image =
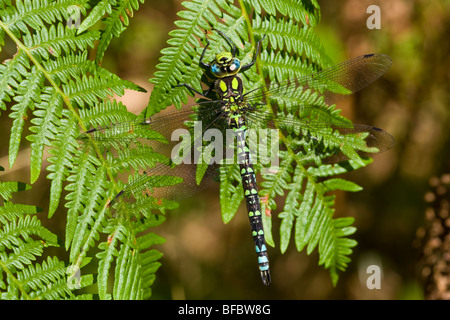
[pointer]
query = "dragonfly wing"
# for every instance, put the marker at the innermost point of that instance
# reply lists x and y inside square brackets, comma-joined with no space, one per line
[299,107]
[333,83]
[376,137]
[158,127]
[159,188]
[327,138]
[176,175]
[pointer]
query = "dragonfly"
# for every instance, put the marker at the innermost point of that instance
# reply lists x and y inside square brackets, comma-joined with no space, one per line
[226,106]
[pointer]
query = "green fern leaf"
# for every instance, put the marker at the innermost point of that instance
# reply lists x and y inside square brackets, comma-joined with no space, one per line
[87,227]
[51,81]
[78,192]
[64,147]
[35,14]
[51,76]
[95,15]
[106,257]
[12,72]
[7,188]
[22,241]
[46,121]
[28,96]
[57,40]
[335,248]
[115,22]
[231,191]
[305,12]
[133,280]
[297,39]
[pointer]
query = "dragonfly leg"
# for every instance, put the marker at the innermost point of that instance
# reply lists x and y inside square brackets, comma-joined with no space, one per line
[231,43]
[203,94]
[258,45]
[203,64]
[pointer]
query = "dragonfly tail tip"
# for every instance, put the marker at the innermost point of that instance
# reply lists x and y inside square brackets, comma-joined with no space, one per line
[265,276]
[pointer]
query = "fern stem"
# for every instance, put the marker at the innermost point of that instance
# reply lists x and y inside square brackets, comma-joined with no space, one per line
[247,19]
[258,62]
[251,34]
[270,109]
[22,47]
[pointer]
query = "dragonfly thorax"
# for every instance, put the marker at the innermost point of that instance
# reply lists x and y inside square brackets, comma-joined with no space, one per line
[229,89]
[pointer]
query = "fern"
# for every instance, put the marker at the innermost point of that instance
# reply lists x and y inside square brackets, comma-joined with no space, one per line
[22,242]
[115,22]
[51,83]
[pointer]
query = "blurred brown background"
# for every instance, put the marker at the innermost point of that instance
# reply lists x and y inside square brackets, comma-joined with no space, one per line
[205,259]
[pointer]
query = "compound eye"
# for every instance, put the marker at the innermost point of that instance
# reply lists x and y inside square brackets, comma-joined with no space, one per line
[234,66]
[218,71]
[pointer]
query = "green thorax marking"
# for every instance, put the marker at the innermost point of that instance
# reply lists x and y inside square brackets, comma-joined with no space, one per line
[229,87]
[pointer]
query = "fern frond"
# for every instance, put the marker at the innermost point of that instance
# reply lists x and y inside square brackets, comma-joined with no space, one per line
[296,39]
[104,113]
[307,12]
[78,195]
[88,225]
[46,121]
[48,82]
[35,14]
[46,281]
[12,72]
[133,280]
[56,41]
[231,190]
[23,75]
[87,90]
[51,83]
[28,96]
[115,22]
[22,241]
[335,248]
[61,158]
[8,188]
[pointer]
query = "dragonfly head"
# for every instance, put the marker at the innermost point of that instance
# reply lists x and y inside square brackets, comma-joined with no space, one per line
[225,64]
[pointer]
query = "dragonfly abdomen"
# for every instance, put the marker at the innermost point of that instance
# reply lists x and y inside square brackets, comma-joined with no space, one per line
[254,216]
[251,198]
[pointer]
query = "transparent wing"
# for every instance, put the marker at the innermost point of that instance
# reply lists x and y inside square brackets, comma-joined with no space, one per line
[176,175]
[159,188]
[333,83]
[376,139]
[299,106]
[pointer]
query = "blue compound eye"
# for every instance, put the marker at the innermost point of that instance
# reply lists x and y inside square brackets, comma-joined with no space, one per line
[218,71]
[221,70]
[234,66]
